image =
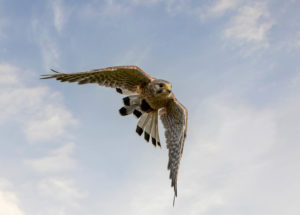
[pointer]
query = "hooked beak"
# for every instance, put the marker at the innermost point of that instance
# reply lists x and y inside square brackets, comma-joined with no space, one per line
[168,88]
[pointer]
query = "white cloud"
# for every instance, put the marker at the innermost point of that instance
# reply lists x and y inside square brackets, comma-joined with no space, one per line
[49,49]
[60,14]
[48,123]
[9,203]
[130,56]
[221,6]
[8,74]
[236,156]
[175,6]
[58,160]
[61,190]
[251,24]
[37,110]
[171,6]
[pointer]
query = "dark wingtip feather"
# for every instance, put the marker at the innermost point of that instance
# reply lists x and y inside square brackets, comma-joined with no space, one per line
[123,111]
[54,71]
[145,106]
[158,143]
[174,200]
[153,141]
[137,113]
[139,130]
[119,90]
[49,75]
[45,77]
[126,101]
[146,136]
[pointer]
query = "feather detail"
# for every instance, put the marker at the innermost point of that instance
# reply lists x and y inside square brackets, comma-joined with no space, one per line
[143,120]
[126,110]
[153,128]
[131,100]
[148,127]
[156,130]
[148,124]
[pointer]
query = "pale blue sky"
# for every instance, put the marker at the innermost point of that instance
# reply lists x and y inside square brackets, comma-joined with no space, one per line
[233,63]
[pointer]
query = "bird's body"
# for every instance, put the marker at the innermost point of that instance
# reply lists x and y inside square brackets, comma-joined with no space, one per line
[146,98]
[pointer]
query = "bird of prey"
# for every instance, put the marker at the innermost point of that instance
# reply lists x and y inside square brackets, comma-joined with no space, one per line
[146,98]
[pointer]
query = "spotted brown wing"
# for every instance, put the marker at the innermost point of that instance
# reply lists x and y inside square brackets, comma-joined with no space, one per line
[174,119]
[121,77]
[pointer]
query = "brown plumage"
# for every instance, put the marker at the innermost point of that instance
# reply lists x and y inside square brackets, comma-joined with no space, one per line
[146,97]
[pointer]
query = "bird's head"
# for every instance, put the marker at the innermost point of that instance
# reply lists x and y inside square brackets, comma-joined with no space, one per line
[161,87]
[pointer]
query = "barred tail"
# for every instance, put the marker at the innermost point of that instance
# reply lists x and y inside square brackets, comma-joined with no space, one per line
[132,105]
[148,124]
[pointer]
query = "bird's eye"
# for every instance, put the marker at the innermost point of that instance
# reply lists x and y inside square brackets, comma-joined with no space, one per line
[161,85]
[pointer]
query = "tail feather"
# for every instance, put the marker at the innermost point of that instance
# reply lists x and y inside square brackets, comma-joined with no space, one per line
[153,129]
[143,120]
[126,110]
[131,100]
[131,105]
[148,124]
[156,130]
[148,121]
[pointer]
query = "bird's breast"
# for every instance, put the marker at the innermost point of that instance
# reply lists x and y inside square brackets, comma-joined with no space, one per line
[154,103]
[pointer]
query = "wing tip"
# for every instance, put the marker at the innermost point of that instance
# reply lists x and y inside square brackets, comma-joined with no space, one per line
[139,130]
[47,76]
[137,113]
[119,90]
[126,101]
[54,71]
[146,136]
[175,193]
[123,111]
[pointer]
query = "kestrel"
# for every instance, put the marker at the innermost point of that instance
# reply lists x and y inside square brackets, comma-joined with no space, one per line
[146,97]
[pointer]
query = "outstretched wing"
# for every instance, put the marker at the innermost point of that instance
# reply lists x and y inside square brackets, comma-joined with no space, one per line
[123,77]
[174,119]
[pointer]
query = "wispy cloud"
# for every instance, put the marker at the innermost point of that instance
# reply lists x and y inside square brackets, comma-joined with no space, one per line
[171,6]
[105,9]
[50,122]
[60,14]
[37,110]
[9,202]
[176,6]
[221,6]
[230,156]
[131,56]
[251,24]
[59,160]
[50,51]
[61,190]
[8,74]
